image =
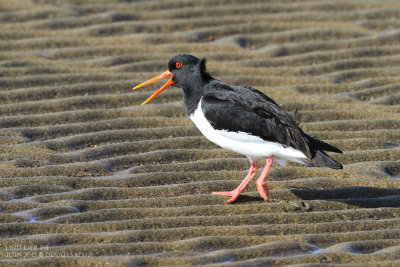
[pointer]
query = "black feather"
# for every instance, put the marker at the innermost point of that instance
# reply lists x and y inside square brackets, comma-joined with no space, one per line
[321,159]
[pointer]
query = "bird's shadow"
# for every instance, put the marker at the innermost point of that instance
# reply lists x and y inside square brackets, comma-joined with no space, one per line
[361,196]
[246,199]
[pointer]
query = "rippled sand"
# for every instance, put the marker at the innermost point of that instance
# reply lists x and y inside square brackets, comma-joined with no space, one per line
[89,177]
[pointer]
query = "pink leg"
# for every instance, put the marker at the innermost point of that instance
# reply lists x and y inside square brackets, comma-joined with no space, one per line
[262,187]
[234,194]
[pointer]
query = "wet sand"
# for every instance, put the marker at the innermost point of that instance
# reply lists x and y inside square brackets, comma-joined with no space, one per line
[89,177]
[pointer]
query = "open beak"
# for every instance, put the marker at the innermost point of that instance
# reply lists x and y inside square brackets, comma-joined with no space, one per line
[159,77]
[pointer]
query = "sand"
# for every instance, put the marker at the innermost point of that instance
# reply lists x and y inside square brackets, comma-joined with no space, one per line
[89,177]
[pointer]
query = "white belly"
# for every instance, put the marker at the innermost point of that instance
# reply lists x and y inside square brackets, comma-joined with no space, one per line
[244,143]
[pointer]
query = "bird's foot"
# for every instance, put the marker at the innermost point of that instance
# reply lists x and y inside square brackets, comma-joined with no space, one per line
[262,189]
[234,194]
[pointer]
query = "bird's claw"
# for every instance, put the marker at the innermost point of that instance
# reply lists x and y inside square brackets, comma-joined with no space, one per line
[233,194]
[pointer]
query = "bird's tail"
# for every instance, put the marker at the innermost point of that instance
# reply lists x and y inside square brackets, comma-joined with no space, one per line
[321,159]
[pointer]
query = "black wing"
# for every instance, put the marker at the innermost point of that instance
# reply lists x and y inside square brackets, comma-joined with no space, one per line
[245,109]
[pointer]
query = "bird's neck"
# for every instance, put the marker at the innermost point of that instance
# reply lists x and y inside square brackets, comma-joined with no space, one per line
[191,98]
[192,93]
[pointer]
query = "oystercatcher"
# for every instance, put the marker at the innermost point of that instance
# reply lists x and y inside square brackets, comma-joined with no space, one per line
[242,119]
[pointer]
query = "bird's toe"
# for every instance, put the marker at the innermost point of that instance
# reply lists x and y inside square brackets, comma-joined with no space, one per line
[263,190]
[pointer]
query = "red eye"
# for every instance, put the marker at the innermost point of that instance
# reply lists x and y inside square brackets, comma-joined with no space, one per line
[178,65]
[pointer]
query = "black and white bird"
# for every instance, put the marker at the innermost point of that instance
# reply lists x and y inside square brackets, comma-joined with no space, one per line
[242,119]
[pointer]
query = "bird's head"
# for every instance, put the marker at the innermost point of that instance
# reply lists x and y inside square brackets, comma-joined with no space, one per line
[184,69]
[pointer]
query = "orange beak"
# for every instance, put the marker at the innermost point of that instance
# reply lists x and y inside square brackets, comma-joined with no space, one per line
[159,77]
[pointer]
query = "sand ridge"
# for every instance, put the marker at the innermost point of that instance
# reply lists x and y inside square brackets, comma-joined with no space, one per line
[88,177]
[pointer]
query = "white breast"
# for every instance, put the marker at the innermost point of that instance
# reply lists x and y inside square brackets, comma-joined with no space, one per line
[244,143]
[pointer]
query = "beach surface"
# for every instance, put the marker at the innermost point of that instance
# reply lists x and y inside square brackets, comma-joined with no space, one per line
[88,177]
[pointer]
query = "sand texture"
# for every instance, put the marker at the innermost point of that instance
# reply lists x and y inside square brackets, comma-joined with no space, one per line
[88,177]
